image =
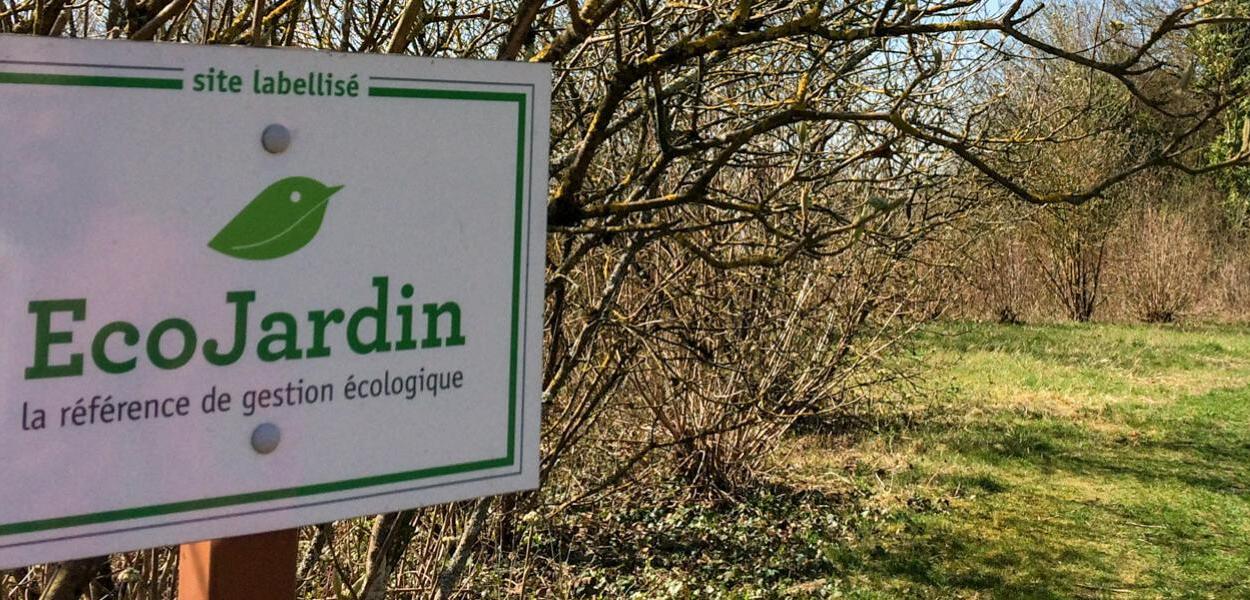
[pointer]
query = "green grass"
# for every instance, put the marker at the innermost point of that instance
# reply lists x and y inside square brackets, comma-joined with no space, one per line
[1064,462]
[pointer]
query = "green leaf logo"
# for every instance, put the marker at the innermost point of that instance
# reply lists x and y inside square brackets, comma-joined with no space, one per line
[282,219]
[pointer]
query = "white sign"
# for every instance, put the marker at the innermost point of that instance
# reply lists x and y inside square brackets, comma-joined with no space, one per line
[202,336]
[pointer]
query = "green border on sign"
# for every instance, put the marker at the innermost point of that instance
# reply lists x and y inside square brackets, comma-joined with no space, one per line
[336,486]
[156,83]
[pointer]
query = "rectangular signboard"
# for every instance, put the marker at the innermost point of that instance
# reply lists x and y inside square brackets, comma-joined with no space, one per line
[203,336]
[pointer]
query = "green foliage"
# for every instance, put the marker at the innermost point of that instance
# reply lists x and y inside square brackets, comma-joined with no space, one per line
[1223,52]
[675,546]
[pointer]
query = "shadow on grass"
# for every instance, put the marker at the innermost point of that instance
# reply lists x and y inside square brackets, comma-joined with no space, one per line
[1207,448]
[1086,512]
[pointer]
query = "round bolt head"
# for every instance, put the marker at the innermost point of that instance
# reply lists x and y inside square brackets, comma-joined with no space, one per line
[276,139]
[265,438]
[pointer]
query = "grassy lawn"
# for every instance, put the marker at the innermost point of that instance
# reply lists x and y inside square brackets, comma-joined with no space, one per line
[1059,461]
[1051,462]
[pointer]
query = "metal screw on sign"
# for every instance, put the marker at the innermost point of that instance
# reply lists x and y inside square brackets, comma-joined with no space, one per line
[276,139]
[265,438]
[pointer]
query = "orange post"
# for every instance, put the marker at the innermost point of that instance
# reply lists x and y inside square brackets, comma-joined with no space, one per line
[251,567]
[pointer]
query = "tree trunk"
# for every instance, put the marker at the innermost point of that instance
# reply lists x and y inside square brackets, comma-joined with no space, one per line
[71,578]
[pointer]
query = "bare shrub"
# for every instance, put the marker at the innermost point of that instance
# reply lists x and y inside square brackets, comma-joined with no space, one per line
[1072,254]
[1226,295]
[1000,275]
[772,347]
[1167,264]
[708,367]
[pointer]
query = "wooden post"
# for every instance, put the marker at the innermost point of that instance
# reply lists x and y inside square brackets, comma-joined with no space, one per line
[251,567]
